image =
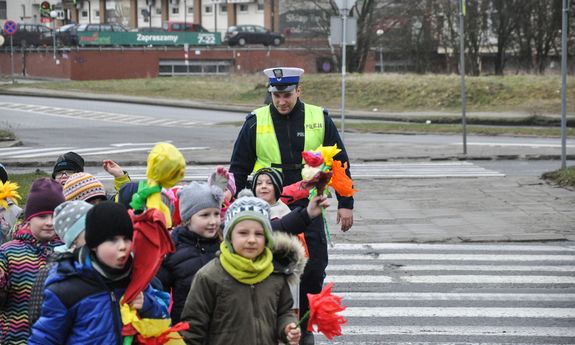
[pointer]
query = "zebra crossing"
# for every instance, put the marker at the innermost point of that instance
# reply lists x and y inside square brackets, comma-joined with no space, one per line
[128,119]
[362,171]
[407,293]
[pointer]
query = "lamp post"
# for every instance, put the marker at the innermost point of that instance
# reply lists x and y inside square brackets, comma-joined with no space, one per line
[379,34]
[54,15]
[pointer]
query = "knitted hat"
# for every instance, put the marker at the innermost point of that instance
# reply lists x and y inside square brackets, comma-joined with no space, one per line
[45,194]
[3,174]
[275,175]
[247,207]
[69,161]
[105,221]
[83,186]
[198,196]
[70,220]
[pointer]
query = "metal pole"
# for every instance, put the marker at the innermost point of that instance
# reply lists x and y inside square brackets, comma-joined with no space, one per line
[381,58]
[215,17]
[462,72]
[564,86]
[343,64]
[89,12]
[12,57]
[185,13]
[54,35]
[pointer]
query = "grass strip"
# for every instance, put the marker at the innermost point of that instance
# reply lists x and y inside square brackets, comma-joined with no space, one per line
[562,177]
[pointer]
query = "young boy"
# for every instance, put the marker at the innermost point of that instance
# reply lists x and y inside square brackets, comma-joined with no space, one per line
[239,298]
[196,241]
[267,185]
[82,293]
[24,256]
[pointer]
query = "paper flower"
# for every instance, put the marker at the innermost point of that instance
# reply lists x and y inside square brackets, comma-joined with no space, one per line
[323,309]
[342,184]
[313,159]
[319,182]
[8,190]
[328,152]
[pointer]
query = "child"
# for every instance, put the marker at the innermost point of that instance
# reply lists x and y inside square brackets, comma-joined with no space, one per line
[196,241]
[69,224]
[67,164]
[225,180]
[24,256]
[82,293]
[267,185]
[9,215]
[239,298]
[85,187]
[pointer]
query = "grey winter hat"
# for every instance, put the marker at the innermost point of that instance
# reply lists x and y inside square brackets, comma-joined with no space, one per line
[70,221]
[248,207]
[198,196]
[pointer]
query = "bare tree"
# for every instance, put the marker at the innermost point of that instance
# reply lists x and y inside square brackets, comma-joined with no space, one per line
[504,20]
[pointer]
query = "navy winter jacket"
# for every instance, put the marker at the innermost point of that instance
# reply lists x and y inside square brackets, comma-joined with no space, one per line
[179,268]
[80,308]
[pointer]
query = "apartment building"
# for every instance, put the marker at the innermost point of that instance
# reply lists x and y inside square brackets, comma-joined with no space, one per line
[214,15]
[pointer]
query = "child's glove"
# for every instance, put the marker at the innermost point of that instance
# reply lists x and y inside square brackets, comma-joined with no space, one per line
[220,178]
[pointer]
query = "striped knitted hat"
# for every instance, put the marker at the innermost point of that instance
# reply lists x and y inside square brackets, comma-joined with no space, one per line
[83,186]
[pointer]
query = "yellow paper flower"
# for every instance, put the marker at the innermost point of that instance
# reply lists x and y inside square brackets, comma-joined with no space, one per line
[328,152]
[8,190]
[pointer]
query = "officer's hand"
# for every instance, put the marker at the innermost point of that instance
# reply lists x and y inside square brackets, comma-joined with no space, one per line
[345,217]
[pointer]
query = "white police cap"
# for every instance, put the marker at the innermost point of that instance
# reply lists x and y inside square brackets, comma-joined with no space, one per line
[283,79]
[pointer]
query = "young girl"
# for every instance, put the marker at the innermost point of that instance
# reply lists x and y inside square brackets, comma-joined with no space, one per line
[82,293]
[240,297]
[24,256]
[196,241]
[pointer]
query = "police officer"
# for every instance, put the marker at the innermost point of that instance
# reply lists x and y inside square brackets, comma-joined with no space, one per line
[275,136]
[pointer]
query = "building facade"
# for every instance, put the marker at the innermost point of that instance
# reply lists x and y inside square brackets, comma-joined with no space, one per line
[214,15]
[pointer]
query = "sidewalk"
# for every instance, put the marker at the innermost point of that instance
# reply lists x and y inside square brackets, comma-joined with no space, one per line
[440,209]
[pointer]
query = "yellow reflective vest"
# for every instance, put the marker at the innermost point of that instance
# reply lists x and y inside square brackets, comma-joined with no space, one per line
[267,147]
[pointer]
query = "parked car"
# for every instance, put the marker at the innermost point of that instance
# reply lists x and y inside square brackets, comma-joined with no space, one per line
[252,34]
[150,29]
[183,27]
[28,35]
[101,27]
[67,35]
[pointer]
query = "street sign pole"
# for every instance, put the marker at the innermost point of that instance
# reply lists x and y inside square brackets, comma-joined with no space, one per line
[462,72]
[12,57]
[564,85]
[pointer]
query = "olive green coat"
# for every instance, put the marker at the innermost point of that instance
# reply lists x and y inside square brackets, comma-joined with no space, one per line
[221,310]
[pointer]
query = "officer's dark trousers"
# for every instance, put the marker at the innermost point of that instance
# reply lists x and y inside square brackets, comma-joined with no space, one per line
[314,273]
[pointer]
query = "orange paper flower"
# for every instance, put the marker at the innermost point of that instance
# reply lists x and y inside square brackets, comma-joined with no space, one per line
[323,309]
[342,184]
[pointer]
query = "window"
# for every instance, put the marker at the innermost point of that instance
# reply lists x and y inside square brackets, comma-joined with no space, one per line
[244,8]
[3,14]
[223,8]
[175,10]
[190,10]
[97,14]
[260,5]
[208,9]
[84,14]
[158,11]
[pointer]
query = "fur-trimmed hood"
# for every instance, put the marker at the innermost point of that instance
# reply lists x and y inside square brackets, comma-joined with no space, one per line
[289,257]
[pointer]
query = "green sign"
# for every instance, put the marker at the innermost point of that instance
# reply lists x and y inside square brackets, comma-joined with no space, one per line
[96,38]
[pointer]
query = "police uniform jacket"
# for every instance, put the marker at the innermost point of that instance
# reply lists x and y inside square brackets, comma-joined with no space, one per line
[289,130]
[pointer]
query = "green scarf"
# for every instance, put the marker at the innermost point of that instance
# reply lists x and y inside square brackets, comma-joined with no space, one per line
[245,270]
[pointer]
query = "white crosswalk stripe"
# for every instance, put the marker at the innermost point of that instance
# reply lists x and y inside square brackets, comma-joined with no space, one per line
[126,119]
[433,294]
